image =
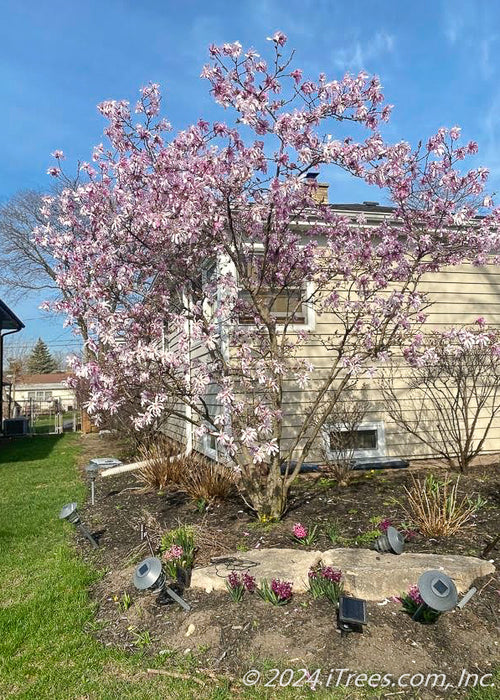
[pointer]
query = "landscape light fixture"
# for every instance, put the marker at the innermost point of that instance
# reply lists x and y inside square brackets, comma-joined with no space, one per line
[472,591]
[437,591]
[351,615]
[390,541]
[93,468]
[70,513]
[149,576]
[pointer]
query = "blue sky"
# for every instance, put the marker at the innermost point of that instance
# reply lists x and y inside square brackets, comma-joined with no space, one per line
[437,62]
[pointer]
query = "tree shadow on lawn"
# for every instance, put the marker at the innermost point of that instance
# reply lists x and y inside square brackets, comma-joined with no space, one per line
[27,448]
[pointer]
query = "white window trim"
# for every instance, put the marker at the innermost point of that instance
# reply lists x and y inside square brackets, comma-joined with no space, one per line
[205,446]
[310,313]
[360,454]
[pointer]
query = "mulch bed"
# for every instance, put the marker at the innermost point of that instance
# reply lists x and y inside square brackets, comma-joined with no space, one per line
[227,637]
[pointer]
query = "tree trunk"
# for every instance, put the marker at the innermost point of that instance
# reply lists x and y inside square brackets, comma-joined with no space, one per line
[266,493]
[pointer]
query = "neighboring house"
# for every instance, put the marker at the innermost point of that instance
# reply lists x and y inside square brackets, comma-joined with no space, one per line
[459,295]
[44,392]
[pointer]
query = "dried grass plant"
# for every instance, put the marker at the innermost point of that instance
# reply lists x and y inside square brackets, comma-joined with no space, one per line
[435,508]
[205,480]
[163,466]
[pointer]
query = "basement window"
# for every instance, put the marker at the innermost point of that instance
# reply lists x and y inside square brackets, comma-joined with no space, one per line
[366,442]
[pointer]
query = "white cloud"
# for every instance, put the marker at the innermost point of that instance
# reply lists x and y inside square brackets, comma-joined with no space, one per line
[486,64]
[489,149]
[357,56]
[467,28]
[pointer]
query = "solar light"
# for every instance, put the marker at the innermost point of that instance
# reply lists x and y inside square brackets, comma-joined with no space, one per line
[438,592]
[70,513]
[472,591]
[93,468]
[351,615]
[390,541]
[149,576]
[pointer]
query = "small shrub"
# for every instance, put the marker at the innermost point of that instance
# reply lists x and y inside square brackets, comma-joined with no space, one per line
[205,480]
[277,592]
[434,507]
[325,582]
[162,467]
[237,585]
[339,437]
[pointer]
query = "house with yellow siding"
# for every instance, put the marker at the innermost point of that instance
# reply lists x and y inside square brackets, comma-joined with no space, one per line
[458,296]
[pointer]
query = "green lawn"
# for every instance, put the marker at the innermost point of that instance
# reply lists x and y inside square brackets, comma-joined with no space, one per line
[46,615]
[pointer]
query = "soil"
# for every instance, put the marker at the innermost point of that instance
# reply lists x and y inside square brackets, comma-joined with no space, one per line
[230,638]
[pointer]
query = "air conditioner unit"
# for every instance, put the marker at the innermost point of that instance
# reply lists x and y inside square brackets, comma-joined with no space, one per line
[16,426]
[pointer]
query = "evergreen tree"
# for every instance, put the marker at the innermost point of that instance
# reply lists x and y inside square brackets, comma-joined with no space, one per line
[41,361]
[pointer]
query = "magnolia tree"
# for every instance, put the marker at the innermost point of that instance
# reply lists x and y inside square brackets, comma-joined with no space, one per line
[193,257]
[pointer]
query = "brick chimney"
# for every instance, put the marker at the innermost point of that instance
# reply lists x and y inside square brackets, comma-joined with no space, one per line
[320,192]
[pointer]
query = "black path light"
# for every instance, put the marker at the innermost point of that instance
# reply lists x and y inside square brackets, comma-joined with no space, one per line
[70,513]
[351,615]
[390,541]
[93,468]
[437,591]
[149,576]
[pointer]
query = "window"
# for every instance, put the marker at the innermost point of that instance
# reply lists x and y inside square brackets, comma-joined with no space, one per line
[209,444]
[209,278]
[287,305]
[366,442]
[361,439]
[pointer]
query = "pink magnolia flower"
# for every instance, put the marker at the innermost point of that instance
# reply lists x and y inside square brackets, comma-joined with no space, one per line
[279,38]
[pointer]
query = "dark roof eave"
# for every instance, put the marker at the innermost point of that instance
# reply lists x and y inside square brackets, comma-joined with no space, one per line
[8,319]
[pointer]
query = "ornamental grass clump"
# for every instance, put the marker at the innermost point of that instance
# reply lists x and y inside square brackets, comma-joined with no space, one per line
[302,535]
[325,582]
[237,584]
[434,506]
[277,592]
[411,602]
[161,466]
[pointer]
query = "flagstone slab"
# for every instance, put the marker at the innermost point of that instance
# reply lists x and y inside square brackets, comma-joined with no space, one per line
[374,576]
[367,574]
[286,564]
